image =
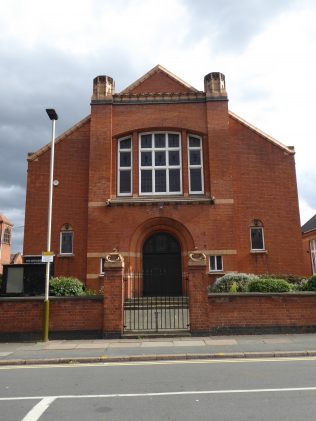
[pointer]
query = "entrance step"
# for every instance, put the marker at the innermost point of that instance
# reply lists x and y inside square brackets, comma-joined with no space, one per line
[151,334]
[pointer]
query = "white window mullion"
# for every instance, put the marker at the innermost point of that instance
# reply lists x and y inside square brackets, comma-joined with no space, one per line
[166,168]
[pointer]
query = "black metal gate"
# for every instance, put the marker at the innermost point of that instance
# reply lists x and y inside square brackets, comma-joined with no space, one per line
[156,312]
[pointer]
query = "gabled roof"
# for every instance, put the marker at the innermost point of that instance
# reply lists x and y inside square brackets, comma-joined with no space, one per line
[34,155]
[143,83]
[288,149]
[5,220]
[309,225]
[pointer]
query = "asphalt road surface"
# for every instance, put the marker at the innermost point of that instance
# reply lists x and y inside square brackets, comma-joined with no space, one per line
[218,390]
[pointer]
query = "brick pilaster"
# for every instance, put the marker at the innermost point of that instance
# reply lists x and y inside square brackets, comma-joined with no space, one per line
[113,297]
[198,296]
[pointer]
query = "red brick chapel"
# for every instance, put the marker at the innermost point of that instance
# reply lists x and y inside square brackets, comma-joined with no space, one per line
[158,171]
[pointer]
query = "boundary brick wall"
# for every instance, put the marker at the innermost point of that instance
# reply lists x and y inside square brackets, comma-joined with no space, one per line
[22,318]
[261,313]
[77,317]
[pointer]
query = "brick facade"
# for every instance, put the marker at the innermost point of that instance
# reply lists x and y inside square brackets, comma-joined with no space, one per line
[248,176]
[309,246]
[5,241]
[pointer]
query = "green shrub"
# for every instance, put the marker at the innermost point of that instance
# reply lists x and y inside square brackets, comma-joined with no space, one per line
[64,286]
[310,285]
[296,282]
[239,280]
[269,285]
[234,287]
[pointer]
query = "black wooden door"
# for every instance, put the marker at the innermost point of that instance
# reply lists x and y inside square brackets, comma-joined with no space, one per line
[162,266]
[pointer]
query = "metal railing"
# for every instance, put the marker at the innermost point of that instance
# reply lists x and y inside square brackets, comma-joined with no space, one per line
[154,313]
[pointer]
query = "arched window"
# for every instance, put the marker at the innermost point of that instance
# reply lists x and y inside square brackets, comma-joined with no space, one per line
[66,239]
[7,236]
[257,235]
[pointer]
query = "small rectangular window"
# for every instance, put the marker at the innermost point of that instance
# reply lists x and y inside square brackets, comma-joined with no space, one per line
[313,254]
[195,161]
[257,240]
[102,260]
[66,242]
[125,167]
[216,263]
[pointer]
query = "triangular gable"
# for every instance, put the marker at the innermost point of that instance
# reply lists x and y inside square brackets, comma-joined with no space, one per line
[34,155]
[288,149]
[158,80]
[310,225]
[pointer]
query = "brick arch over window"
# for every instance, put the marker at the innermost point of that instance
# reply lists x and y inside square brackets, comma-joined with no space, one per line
[163,224]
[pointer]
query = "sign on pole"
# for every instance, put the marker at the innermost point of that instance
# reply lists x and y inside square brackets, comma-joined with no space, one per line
[47,256]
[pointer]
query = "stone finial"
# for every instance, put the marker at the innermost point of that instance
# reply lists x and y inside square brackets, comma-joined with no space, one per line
[103,87]
[214,85]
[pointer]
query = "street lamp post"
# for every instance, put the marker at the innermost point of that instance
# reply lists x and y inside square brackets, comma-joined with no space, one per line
[53,117]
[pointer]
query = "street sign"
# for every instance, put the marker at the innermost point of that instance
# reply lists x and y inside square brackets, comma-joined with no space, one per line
[47,256]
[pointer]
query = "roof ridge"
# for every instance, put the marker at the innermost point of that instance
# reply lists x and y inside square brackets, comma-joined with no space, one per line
[289,149]
[34,155]
[153,71]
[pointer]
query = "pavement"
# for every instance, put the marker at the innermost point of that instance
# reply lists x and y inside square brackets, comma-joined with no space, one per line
[151,349]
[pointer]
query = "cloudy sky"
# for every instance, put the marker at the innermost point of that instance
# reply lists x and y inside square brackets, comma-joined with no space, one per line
[51,51]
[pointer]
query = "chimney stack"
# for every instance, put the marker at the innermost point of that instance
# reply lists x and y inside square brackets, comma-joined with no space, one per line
[214,85]
[103,88]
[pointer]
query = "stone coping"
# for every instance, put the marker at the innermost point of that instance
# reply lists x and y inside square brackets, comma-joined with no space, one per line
[54,298]
[260,294]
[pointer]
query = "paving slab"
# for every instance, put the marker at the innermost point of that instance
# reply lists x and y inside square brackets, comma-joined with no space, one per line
[5,354]
[124,345]
[277,341]
[91,346]
[189,343]
[218,342]
[156,343]
[60,346]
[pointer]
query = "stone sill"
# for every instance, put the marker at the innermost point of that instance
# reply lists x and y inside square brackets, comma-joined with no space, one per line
[161,201]
[66,255]
[258,251]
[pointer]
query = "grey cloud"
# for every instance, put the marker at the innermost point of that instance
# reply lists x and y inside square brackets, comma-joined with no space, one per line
[30,81]
[232,24]
[306,186]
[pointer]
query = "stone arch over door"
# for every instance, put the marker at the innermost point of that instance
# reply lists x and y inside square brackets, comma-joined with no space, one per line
[162,269]
[160,224]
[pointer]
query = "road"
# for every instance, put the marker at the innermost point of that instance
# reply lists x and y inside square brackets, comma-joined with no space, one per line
[193,390]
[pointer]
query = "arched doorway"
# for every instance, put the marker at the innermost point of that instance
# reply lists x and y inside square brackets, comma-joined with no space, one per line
[162,272]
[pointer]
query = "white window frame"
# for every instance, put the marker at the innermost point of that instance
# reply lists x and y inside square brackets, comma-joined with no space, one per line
[102,260]
[215,263]
[119,168]
[312,246]
[60,242]
[7,236]
[263,241]
[200,148]
[153,167]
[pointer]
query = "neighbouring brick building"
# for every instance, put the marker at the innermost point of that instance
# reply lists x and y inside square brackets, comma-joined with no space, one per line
[160,170]
[5,241]
[309,245]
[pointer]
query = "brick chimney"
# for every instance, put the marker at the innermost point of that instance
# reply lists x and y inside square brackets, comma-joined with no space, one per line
[103,88]
[214,85]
